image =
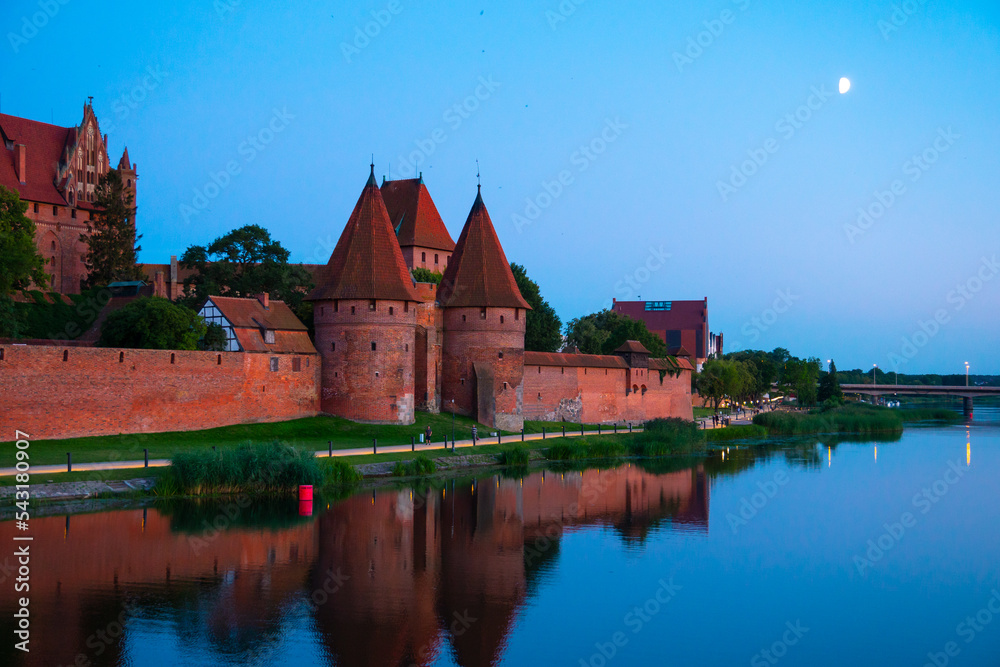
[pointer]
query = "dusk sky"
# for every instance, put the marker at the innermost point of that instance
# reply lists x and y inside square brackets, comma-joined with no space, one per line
[649,112]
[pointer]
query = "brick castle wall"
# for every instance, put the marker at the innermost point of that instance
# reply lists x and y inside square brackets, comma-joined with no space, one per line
[358,382]
[62,392]
[598,395]
[427,361]
[486,350]
[58,239]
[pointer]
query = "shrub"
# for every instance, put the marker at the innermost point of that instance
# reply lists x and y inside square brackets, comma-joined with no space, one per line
[272,467]
[422,275]
[847,419]
[515,456]
[338,472]
[566,451]
[152,323]
[930,414]
[418,467]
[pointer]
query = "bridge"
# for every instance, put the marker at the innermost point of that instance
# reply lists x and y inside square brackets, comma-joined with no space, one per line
[967,393]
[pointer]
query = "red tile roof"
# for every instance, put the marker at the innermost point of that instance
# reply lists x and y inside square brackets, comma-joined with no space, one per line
[44,149]
[250,313]
[572,360]
[479,274]
[633,346]
[285,342]
[367,262]
[414,216]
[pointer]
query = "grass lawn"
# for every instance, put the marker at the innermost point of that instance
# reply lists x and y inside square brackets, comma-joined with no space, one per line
[310,433]
[89,476]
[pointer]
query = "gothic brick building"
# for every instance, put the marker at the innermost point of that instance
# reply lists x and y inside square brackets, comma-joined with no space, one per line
[390,346]
[56,170]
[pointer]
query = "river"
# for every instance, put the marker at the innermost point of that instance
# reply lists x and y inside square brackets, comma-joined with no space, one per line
[806,552]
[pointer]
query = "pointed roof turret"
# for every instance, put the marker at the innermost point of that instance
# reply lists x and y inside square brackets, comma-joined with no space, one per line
[367,262]
[124,163]
[479,274]
[414,216]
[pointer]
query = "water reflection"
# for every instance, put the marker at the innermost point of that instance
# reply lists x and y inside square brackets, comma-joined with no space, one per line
[394,577]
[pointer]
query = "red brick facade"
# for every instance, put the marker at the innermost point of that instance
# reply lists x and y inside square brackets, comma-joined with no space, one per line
[56,171]
[55,392]
[368,349]
[483,364]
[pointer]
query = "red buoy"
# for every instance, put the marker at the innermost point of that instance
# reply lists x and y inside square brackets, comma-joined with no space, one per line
[306,492]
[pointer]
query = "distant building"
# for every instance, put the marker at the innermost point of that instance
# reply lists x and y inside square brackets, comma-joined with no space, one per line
[683,326]
[258,325]
[56,171]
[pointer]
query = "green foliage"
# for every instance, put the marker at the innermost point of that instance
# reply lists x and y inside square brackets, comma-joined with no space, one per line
[21,264]
[152,323]
[763,368]
[10,325]
[862,419]
[111,240]
[418,467]
[514,456]
[829,386]
[422,275]
[244,263]
[723,378]
[542,326]
[272,467]
[214,339]
[738,432]
[606,331]
[567,451]
[339,473]
[660,437]
[54,318]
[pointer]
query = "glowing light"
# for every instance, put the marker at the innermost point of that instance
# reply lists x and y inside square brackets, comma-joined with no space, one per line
[829,457]
[876,452]
[968,454]
[845,85]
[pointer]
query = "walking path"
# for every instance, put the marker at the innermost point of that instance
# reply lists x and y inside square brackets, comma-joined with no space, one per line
[354,451]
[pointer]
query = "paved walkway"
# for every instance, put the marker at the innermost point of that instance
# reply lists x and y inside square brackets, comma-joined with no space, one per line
[354,451]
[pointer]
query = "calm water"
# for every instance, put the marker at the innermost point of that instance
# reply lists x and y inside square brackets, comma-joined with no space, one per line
[818,555]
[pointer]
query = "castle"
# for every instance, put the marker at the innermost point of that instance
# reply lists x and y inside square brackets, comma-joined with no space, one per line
[56,171]
[390,346]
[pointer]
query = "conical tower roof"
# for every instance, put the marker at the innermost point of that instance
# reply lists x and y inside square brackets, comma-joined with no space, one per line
[124,162]
[479,274]
[367,262]
[414,216]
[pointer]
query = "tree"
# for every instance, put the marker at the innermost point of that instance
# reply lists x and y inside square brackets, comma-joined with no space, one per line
[244,263]
[112,253]
[422,275]
[20,262]
[153,323]
[214,339]
[604,332]
[829,386]
[542,326]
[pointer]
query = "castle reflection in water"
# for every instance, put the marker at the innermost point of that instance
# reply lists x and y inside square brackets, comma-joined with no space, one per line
[392,577]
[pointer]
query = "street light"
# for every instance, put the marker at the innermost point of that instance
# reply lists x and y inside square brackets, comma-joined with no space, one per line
[966,373]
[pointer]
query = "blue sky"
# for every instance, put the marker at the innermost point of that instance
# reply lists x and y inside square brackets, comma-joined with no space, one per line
[642,110]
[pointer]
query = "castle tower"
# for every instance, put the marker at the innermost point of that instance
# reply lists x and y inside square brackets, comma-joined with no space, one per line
[421,233]
[484,315]
[364,308]
[128,172]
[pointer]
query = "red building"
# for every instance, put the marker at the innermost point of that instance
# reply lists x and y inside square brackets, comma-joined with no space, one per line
[56,170]
[683,325]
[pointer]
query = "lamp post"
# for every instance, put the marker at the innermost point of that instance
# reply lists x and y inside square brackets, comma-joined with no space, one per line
[966,373]
[874,397]
[453,421]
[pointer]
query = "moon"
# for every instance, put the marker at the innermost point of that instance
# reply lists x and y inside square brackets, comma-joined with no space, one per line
[845,85]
